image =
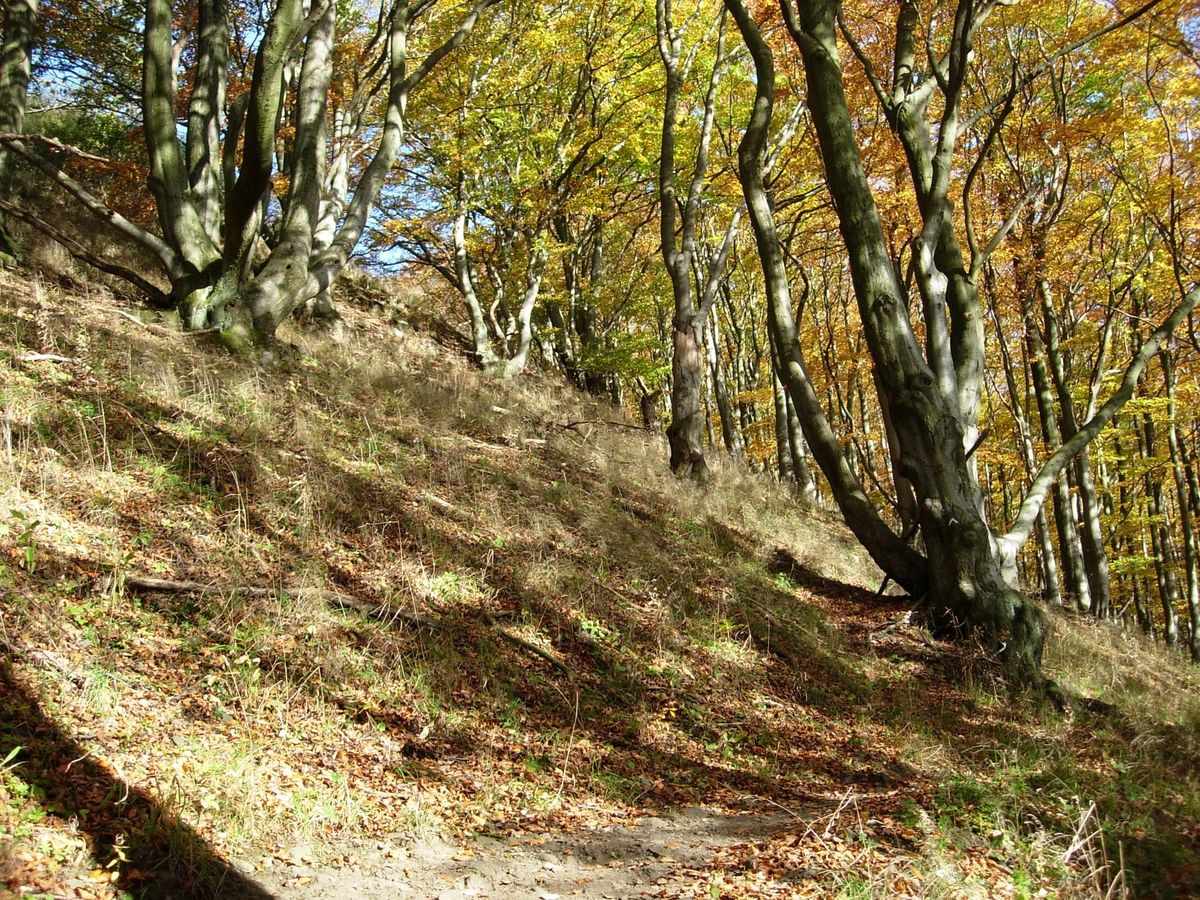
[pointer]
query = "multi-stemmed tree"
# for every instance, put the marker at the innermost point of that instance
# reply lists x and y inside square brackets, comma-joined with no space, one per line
[930,381]
[266,183]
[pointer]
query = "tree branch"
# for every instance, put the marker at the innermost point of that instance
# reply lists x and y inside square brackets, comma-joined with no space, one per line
[81,253]
[1031,505]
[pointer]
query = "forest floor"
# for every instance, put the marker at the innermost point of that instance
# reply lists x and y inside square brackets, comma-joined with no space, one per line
[349,619]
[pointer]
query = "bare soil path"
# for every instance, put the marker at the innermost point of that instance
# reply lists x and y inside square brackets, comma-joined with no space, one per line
[609,862]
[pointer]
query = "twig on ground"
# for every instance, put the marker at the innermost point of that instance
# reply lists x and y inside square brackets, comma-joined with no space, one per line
[612,422]
[383,612]
[160,329]
[446,508]
[47,357]
[526,645]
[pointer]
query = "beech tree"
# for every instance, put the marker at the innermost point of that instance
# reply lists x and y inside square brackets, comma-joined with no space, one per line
[263,193]
[931,388]
[679,219]
[518,176]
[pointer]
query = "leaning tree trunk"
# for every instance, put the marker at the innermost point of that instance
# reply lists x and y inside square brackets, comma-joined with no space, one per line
[963,578]
[538,253]
[968,591]
[892,555]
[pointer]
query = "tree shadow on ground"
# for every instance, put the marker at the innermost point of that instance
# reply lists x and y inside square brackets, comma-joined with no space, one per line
[154,853]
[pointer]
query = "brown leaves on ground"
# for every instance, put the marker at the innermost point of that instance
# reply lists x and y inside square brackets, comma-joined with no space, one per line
[576,641]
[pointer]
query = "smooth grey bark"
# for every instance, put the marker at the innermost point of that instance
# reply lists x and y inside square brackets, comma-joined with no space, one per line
[203,146]
[465,280]
[1051,585]
[964,571]
[932,391]
[790,450]
[1091,540]
[1074,577]
[731,435]
[538,254]
[904,564]
[963,574]
[20,17]
[783,454]
[181,223]
[212,189]
[678,222]
[1160,537]
[806,486]
[952,312]
[1186,525]
[268,297]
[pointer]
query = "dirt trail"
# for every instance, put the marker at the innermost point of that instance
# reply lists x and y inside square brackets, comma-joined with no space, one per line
[613,862]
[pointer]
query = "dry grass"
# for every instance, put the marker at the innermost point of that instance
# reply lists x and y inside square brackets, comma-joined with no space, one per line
[382,466]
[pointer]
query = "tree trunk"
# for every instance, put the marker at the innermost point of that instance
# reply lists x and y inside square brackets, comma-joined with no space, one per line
[20,17]
[484,354]
[686,431]
[783,452]
[679,250]
[1186,526]
[1075,581]
[730,434]
[967,589]
[905,565]
[533,283]
[806,487]
[1160,539]
[1091,539]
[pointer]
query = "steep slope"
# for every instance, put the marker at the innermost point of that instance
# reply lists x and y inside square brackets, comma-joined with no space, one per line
[271,619]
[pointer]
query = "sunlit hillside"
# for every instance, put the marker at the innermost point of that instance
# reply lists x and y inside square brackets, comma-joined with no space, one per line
[351,619]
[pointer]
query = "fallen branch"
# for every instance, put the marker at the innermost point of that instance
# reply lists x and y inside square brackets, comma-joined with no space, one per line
[156,296]
[383,612]
[160,329]
[166,586]
[527,646]
[612,422]
[446,508]
[47,357]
